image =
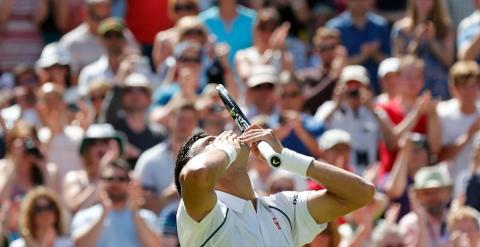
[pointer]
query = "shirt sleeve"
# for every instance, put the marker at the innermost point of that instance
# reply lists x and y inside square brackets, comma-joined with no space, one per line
[305,229]
[151,220]
[83,220]
[191,231]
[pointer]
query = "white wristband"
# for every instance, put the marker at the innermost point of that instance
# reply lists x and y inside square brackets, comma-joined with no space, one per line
[229,150]
[295,162]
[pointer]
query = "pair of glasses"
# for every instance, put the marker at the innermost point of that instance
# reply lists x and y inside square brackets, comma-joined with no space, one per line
[113,35]
[187,59]
[264,86]
[293,94]
[326,47]
[194,31]
[141,90]
[121,179]
[38,208]
[187,7]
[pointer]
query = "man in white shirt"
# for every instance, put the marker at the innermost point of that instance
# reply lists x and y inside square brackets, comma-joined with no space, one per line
[220,208]
[460,117]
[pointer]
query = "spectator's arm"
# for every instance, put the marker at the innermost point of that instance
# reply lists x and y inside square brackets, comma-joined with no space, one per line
[386,126]
[434,133]
[451,151]
[411,120]
[443,49]
[89,236]
[156,202]
[147,237]
[469,50]
[41,12]
[75,196]
[162,49]
[61,15]
[111,106]
[5,8]
[242,66]
[397,180]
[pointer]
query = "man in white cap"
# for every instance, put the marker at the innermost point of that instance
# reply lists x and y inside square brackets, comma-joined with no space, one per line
[426,225]
[353,110]
[388,76]
[131,115]
[336,146]
[261,91]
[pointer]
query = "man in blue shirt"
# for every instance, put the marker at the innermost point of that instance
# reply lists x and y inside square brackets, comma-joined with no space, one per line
[365,35]
[230,23]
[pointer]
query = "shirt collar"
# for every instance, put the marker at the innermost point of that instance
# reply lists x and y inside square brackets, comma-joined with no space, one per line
[235,203]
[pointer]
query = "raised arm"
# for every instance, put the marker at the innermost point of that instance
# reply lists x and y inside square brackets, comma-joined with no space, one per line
[199,176]
[344,192]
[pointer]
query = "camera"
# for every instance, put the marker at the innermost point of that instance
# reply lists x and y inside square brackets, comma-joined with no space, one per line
[353,93]
[31,148]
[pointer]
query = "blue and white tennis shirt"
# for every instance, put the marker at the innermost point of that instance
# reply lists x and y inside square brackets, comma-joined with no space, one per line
[281,219]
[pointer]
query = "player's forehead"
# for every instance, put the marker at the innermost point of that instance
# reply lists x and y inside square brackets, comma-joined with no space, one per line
[200,144]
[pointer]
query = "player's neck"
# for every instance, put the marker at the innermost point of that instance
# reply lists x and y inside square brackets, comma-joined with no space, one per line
[237,183]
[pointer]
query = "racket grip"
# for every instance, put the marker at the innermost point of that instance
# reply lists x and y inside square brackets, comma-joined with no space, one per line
[272,157]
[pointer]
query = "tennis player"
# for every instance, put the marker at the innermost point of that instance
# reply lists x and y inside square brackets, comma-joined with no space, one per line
[220,208]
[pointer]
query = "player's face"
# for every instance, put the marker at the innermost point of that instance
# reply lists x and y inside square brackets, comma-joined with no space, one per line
[201,144]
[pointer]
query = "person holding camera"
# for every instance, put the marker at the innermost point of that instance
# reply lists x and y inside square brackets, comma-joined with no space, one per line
[352,110]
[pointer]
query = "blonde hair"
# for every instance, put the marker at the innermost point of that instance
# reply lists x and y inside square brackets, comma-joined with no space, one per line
[323,33]
[463,68]
[463,213]
[438,15]
[411,60]
[26,211]
[171,8]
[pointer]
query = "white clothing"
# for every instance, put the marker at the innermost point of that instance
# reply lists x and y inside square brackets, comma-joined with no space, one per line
[281,219]
[59,242]
[99,69]
[454,124]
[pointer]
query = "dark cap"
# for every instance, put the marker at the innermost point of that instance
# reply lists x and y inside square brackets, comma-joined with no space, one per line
[111,24]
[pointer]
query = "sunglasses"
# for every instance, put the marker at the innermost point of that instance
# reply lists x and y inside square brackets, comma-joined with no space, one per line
[38,208]
[293,94]
[100,97]
[113,35]
[121,179]
[188,7]
[186,59]
[141,90]
[195,31]
[264,86]
[216,108]
[324,48]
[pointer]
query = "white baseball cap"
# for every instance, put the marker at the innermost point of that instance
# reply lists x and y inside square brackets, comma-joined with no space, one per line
[334,137]
[137,80]
[389,65]
[432,177]
[354,73]
[262,74]
[53,54]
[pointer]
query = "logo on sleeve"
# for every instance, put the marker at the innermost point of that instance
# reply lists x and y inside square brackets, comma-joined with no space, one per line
[275,221]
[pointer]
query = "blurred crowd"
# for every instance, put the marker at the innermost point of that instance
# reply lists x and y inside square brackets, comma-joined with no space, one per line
[97,96]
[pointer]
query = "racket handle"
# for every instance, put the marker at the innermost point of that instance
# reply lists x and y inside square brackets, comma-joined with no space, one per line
[272,157]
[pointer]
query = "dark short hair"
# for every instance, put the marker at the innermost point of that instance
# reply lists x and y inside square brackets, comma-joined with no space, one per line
[184,155]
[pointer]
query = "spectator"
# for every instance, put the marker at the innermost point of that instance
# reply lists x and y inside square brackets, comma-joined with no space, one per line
[468,36]
[391,10]
[25,165]
[132,117]
[296,130]
[353,110]
[118,211]
[95,101]
[83,43]
[20,45]
[107,67]
[261,85]
[426,224]
[42,220]
[335,145]
[426,32]
[467,185]
[389,78]
[279,182]
[26,84]
[61,138]
[230,23]
[99,144]
[461,112]
[213,117]
[146,18]
[464,228]
[459,9]
[155,167]
[386,235]
[165,40]
[56,21]
[413,154]
[54,66]
[268,46]
[320,81]
[365,35]
[409,112]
